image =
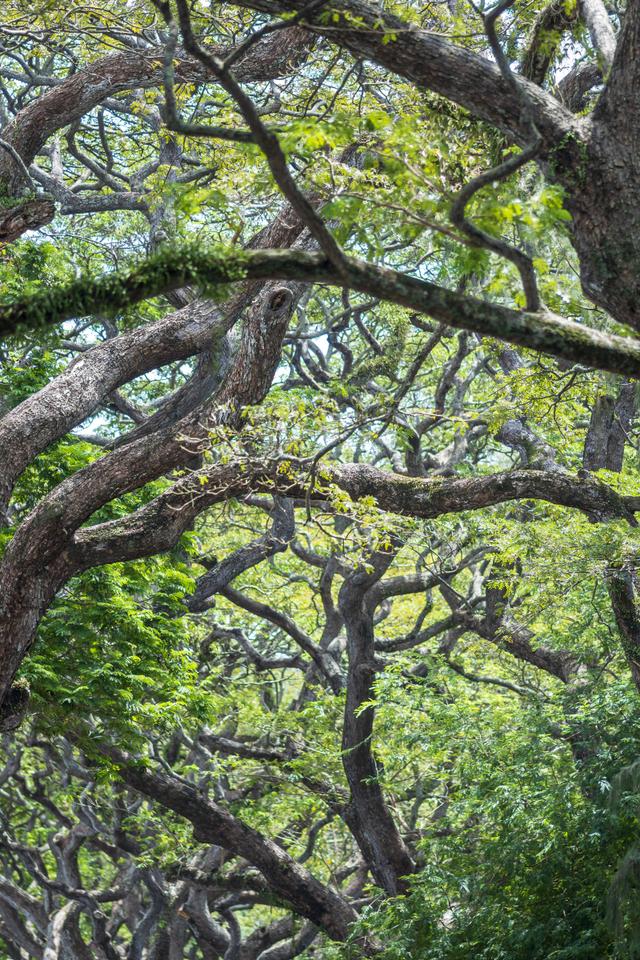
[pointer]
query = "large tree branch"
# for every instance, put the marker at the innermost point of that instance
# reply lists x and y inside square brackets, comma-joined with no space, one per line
[157,526]
[49,548]
[596,19]
[37,564]
[544,41]
[67,400]
[617,106]
[85,385]
[433,63]
[68,100]
[624,603]
[171,270]
[609,429]
[78,94]
[516,640]
[213,824]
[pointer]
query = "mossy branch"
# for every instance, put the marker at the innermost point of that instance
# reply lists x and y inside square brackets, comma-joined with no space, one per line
[210,270]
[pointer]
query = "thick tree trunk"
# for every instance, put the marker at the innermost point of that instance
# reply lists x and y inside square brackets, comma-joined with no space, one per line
[623,601]
[370,819]
[603,197]
[608,429]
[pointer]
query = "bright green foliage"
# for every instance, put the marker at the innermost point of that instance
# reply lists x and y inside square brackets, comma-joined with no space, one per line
[506,780]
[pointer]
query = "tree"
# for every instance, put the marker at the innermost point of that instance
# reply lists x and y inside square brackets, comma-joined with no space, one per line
[320,469]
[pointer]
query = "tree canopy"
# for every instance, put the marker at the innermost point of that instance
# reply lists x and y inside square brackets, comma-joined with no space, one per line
[319,480]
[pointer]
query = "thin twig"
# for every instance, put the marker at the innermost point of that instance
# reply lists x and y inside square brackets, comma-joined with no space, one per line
[521,260]
[264,138]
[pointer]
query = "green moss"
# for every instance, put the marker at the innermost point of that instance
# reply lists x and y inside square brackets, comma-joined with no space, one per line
[210,270]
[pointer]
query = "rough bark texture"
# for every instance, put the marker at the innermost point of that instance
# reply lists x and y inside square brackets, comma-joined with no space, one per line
[371,821]
[594,159]
[625,607]
[213,824]
[194,440]
[609,429]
